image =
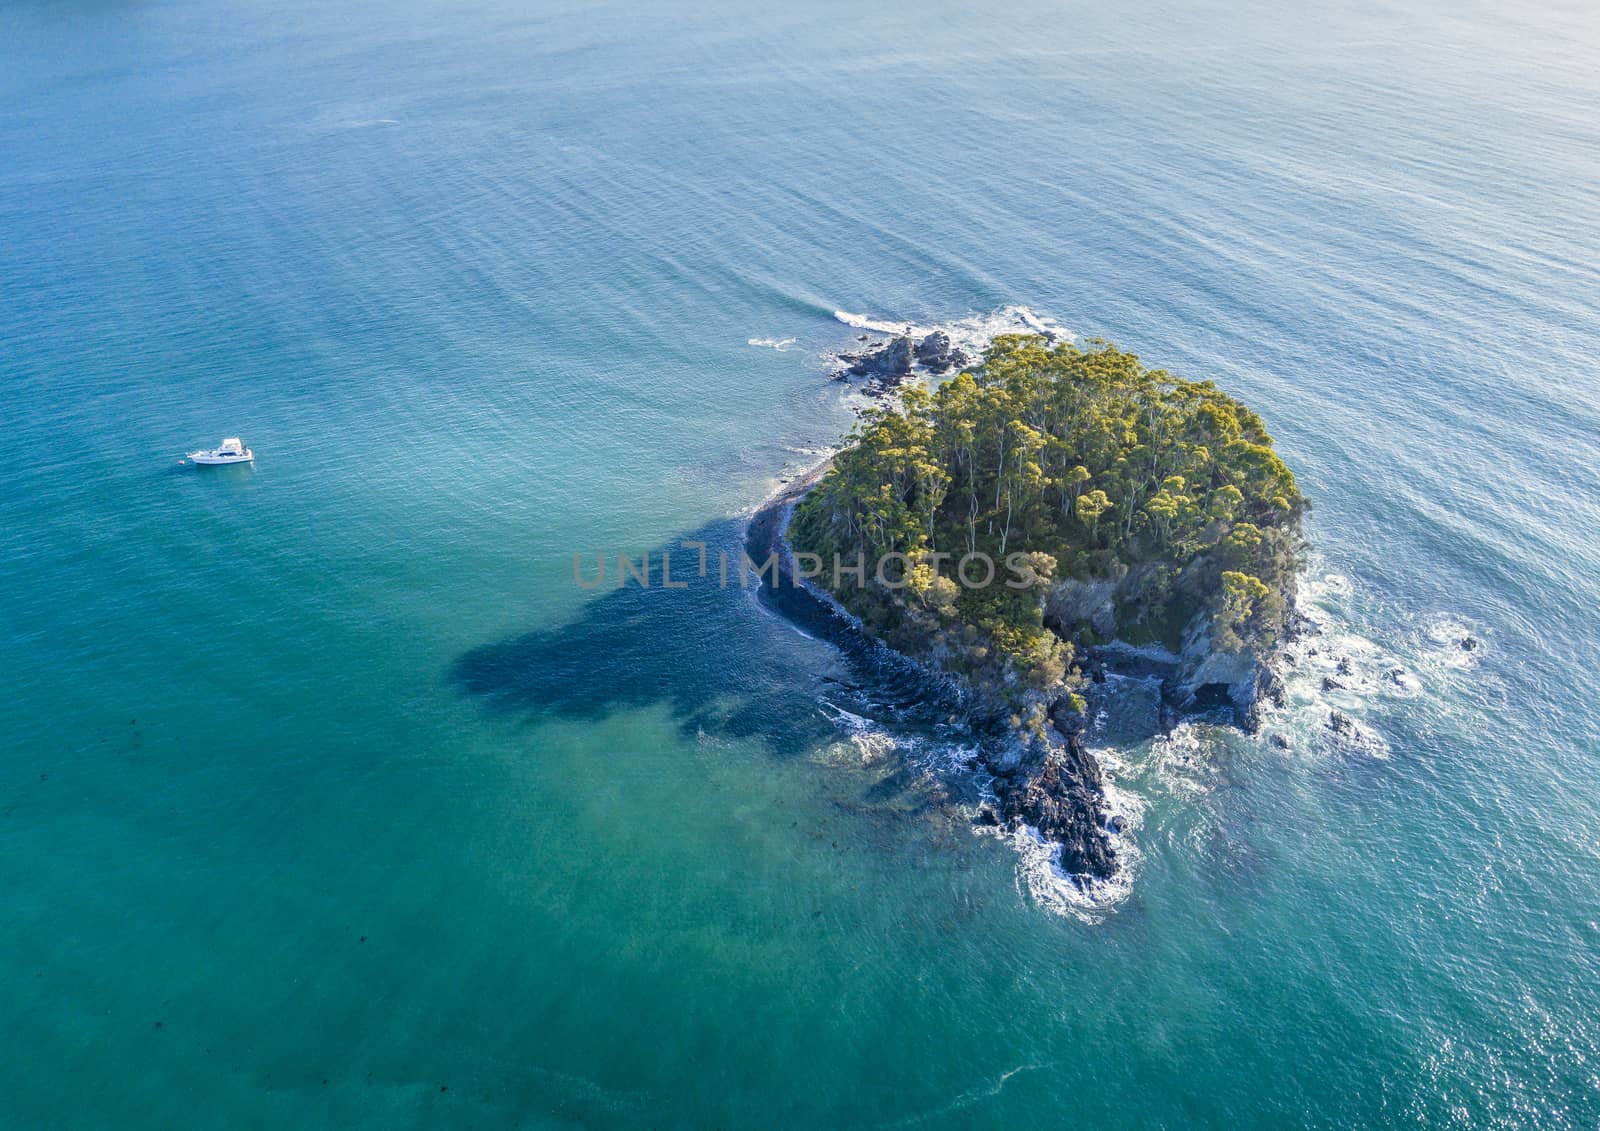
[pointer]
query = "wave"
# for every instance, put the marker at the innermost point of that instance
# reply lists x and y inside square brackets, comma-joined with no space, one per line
[871,741]
[782,345]
[866,322]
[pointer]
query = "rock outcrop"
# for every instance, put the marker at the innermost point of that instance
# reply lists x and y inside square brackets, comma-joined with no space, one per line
[888,364]
[1062,795]
[1074,602]
[885,364]
[935,352]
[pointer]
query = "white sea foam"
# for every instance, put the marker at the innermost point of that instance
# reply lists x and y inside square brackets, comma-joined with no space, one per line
[1041,881]
[866,322]
[972,333]
[782,345]
[1181,760]
[865,741]
[872,741]
[1440,643]
[1339,669]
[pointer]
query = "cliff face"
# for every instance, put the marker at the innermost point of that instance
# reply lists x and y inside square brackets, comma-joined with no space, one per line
[1091,603]
[1244,678]
[1201,674]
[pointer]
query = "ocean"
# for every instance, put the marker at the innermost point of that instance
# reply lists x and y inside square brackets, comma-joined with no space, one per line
[327,796]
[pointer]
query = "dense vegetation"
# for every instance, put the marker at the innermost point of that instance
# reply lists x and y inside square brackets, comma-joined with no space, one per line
[1063,464]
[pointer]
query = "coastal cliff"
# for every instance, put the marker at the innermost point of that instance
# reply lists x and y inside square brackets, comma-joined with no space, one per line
[1043,517]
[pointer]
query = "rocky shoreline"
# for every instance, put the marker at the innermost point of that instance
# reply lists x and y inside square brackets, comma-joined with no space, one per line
[1054,786]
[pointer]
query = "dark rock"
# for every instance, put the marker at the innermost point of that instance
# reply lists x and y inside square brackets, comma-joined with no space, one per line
[1115,825]
[986,817]
[887,364]
[1061,796]
[1344,666]
[1064,718]
[1342,724]
[959,359]
[1331,684]
[934,351]
[1469,643]
[1279,741]
[893,360]
[1397,676]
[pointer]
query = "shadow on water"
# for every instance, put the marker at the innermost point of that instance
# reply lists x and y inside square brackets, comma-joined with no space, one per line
[726,660]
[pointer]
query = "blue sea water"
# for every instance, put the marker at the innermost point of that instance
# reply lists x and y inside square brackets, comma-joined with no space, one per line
[328,799]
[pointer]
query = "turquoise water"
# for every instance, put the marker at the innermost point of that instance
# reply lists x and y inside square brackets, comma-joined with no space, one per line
[328,799]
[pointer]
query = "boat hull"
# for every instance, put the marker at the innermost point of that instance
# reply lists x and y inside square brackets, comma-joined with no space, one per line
[207,459]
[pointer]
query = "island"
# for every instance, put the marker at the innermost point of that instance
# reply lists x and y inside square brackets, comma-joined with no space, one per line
[1052,512]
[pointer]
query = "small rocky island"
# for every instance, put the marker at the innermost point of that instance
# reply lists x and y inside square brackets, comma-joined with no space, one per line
[1044,516]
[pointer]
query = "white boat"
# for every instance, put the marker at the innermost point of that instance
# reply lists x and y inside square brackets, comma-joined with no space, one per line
[231,450]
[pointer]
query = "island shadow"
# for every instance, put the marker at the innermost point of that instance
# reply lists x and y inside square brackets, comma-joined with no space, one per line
[746,662]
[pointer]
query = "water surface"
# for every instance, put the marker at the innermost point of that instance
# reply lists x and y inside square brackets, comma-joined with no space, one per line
[327,798]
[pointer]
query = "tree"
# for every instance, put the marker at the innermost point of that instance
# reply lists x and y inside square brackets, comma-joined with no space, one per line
[1030,451]
[1091,506]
